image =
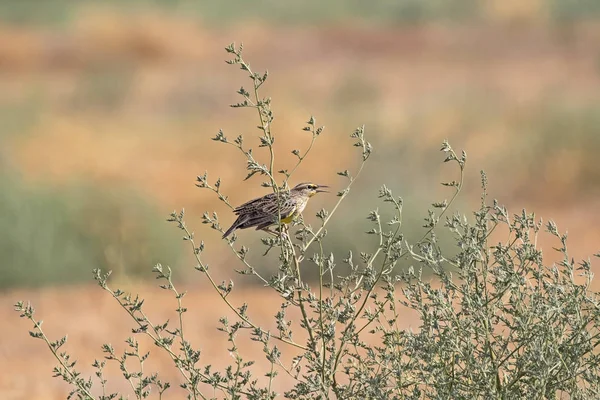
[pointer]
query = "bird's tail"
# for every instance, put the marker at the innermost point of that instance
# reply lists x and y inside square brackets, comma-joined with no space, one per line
[237,224]
[231,229]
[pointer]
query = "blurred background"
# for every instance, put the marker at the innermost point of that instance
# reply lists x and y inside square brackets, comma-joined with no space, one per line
[107,110]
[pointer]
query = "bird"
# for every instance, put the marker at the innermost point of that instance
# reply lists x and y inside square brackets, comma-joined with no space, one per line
[263,212]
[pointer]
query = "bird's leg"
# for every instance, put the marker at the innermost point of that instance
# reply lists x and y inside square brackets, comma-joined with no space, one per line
[278,234]
[282,233]
[271,232]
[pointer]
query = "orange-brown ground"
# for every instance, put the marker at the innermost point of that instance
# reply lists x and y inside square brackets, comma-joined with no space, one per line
[91,318]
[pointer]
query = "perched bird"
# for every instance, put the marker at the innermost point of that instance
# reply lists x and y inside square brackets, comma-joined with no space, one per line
[264,212]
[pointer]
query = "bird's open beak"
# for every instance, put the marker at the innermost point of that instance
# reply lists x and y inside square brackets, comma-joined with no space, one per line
[319,190]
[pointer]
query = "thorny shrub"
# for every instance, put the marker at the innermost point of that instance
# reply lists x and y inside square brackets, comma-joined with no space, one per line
[495,321]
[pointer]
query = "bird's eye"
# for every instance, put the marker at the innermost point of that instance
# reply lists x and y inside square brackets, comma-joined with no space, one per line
[312,186]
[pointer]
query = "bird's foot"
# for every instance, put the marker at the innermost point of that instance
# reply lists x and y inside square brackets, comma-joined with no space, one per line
[272,232]
[282,233]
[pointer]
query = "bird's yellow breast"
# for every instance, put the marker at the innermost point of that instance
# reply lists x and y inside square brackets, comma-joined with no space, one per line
[298,208]
[288,219]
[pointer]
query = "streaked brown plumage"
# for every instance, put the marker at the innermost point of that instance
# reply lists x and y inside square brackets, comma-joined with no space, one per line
[264,212]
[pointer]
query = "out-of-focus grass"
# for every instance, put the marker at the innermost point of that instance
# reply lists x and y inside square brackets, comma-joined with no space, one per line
[56,12]
[561,144]
[60,12]
[102,89]
[18,118]
[565,10]
[116,95]
[58,235]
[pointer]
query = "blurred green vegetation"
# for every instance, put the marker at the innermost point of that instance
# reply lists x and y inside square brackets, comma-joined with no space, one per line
[60,12]
[58,235]
[559,129]
[565,10]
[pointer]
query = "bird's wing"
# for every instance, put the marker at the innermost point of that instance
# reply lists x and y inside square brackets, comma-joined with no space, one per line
[267,205]
[286,209]
[255,204]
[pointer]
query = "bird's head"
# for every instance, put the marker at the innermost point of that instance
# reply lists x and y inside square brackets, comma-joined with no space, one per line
[309,189]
